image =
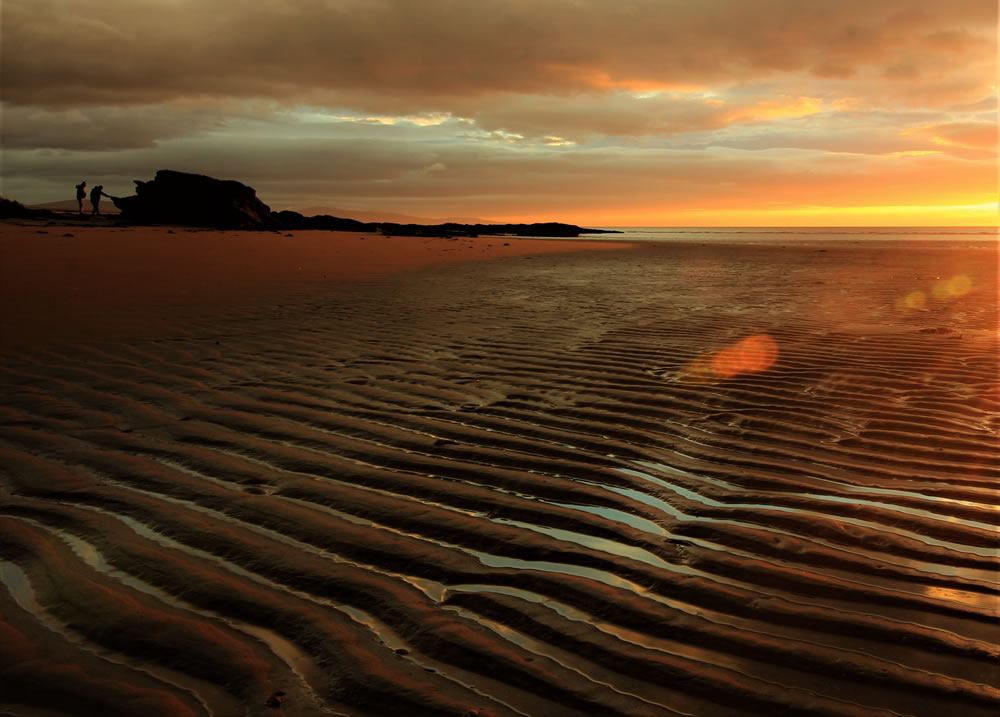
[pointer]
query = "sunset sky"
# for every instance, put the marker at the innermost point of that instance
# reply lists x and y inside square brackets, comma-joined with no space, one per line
[597,112]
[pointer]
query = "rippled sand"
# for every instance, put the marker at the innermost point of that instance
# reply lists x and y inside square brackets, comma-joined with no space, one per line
[351,478]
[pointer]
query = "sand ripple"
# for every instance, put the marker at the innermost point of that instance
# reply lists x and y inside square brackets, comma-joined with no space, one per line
[506,490]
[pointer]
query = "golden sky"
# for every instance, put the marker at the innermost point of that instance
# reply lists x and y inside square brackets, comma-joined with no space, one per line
[598,112]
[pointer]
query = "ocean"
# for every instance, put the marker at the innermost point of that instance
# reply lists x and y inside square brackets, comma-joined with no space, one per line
[772,235]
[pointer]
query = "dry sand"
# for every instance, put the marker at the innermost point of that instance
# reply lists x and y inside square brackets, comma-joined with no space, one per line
[383,479]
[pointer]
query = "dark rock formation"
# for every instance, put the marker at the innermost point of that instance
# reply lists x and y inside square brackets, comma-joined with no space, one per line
[289,220]
[392,229]
[337,224]
[194,199]
[546,229]
[9,209]
[293,220]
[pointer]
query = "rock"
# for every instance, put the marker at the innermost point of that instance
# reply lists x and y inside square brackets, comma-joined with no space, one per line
[194,199]
[451,230]
[293,220]
[423,230]
[289,220]
[9,209]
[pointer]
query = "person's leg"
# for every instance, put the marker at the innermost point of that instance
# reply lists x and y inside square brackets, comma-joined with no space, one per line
[80,201]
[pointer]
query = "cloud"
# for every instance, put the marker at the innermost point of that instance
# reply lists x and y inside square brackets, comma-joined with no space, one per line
[971,140]
[863,132]
[964,134]
[623,114]
[423,52]
[107,128]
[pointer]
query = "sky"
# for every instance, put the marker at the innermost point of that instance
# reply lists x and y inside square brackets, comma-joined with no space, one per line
[595,112]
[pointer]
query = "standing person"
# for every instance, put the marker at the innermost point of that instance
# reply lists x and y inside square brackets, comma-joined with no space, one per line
[95,197]
[81,194]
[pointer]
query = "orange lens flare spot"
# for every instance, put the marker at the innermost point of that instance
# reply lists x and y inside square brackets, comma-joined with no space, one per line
[913,300]
[752,354]
[952,288]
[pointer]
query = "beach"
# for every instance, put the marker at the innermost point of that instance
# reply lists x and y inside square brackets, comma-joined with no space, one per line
[322,473]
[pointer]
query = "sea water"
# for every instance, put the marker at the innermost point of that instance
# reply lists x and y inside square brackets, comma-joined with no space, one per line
[771,235]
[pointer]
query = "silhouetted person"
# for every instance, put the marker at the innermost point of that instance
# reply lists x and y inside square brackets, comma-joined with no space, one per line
[95,197]
[81,194]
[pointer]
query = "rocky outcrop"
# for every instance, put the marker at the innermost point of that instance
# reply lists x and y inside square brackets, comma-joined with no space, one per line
[293,220]
[543,229]
[196,200]
[9,209]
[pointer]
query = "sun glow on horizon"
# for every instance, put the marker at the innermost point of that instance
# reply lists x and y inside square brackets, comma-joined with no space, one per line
[952,215]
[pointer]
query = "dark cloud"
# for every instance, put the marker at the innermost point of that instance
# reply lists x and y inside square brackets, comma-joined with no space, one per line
[106,128]
[64,52]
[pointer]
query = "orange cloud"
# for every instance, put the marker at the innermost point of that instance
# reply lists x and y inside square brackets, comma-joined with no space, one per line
[597,79]
[914,153]
[965,134]
[970,140]
[768,110]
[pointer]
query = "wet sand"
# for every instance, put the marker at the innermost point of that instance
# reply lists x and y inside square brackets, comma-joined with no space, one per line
[449,477]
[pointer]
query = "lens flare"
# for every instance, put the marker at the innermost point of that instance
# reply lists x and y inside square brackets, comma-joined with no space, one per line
[952,288]
[751,355]
[913,300]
